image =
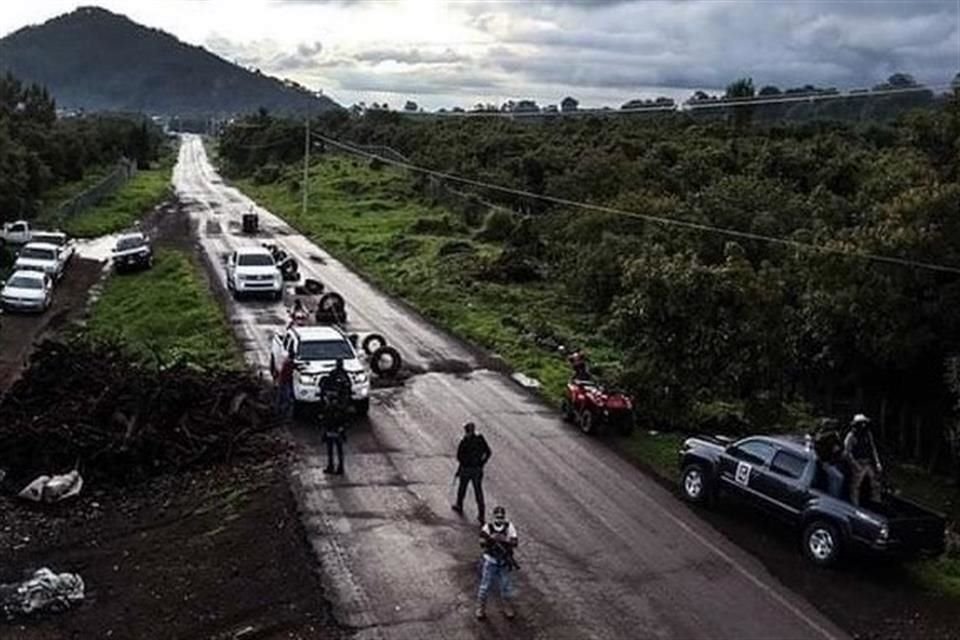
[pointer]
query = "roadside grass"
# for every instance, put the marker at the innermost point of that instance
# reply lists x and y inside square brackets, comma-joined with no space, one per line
[120,210]
[167,311]
[657,451]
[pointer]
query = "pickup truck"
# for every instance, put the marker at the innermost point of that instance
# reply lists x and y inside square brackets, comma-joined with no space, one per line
[132,251]
[38,256]
[253,270]
[316,350]
[782,476]
[19,232]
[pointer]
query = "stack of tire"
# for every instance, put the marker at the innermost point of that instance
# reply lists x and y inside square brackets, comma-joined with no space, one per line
[385,361]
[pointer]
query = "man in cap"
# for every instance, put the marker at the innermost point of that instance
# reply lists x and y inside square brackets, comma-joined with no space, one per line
[472,454]
[861,453]
[498,540]
[335,390]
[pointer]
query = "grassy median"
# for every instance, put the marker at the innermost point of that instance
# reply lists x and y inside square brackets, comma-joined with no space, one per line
[168,311]
[119,211]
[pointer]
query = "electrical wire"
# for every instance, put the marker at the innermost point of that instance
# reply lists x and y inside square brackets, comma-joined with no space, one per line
[686,224]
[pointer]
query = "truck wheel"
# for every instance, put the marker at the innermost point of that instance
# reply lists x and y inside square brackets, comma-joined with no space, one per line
[695,484]
[362,407]
[278,296]
[821,543]
[373,343]
[587,422]
[386,362]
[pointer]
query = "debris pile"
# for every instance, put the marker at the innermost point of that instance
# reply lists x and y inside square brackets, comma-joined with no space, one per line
[44,591]
[88,405]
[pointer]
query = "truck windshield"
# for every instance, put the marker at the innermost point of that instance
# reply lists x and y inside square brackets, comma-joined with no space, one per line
[32,253]
[52,238]
[325,350]
[255,260]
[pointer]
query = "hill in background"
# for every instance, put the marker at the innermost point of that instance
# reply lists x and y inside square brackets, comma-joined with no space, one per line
[96,60]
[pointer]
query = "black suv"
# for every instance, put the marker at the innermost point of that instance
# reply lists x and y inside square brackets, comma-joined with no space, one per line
[133,251]
[782,476]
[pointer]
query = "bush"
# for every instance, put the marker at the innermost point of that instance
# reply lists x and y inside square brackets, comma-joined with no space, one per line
[498,226]
[511,265]
[266,174]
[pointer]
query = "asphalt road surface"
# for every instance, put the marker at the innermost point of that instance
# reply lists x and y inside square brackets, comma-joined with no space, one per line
[605,551]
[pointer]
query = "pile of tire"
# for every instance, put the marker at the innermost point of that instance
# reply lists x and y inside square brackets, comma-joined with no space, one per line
[385,361]
[331,309]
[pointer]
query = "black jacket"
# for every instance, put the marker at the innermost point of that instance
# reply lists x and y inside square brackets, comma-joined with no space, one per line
[473,451]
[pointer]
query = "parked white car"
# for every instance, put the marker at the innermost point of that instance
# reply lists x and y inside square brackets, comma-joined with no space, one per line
[252,270]
[36,256]
[27,291]
[66,244]
[316,351]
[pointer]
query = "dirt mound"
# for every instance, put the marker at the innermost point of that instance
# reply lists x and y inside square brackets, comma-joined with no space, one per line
[89,404]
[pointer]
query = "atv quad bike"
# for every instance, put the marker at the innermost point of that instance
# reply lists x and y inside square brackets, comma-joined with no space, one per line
[596,409]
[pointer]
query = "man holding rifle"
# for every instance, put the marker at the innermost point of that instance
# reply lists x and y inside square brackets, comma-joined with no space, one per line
[499,540]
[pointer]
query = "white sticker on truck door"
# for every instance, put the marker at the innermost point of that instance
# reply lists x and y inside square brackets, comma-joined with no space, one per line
[743,473]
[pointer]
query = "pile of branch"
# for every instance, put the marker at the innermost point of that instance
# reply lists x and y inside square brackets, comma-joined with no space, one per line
[91,405]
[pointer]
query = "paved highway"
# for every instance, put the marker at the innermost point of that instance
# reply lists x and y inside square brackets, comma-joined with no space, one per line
[606,552]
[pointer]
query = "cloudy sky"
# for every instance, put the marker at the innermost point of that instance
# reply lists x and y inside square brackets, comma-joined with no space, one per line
[600,51]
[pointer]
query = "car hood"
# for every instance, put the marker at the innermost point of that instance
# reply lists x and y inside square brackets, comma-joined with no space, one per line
[257,271]
[313,367]
[35,264]
[28,294]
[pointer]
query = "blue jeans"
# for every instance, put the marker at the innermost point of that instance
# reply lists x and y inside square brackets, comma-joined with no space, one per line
[491,571]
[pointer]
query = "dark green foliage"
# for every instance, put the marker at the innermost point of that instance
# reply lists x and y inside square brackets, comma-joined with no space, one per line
[497,226]
[440,226]
[454,247]
[39,152]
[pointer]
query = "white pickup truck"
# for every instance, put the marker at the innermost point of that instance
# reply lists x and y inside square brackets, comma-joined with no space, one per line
[253,270]
[67,245]
[316,351]
[38,256]
[19,232]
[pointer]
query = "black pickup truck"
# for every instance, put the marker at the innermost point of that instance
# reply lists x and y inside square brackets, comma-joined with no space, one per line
[781,475]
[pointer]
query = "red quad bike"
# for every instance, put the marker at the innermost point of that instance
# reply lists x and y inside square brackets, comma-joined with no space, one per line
[596,409]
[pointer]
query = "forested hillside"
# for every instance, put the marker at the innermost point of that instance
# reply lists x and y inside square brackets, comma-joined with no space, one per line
[39,152]
[714,328]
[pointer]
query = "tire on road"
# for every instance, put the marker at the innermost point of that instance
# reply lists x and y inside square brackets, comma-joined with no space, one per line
[822,543]
[331,308]
[372,343]
[587,422]
[695,485]
[386,362]
[312,286]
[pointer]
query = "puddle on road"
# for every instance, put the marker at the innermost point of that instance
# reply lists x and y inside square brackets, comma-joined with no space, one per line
[99,249]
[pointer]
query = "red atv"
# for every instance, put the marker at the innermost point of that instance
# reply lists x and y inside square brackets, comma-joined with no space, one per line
[595,409]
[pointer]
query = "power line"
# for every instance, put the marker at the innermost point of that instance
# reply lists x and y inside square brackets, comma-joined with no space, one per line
[686,224]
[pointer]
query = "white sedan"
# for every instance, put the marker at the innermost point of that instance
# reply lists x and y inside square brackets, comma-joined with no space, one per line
[38,256]
[27,291]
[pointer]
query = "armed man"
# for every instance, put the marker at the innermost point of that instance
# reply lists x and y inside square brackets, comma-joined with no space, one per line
[335,390]
[499,540]
[861,453]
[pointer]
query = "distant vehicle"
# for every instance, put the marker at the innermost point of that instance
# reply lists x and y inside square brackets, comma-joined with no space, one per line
[63,241]
[27,291]
[132,251]
[19,232]
[36,256]
[252,270]
[316,350]
[782,476]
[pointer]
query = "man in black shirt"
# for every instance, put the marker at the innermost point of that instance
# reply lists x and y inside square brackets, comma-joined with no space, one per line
[335,390]
[472,454]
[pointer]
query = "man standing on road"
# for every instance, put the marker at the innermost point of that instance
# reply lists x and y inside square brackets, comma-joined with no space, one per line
[335,390]
[283,401]
[861,453]
[499,540]
[472,454]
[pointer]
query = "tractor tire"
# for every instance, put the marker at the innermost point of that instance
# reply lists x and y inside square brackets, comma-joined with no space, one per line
[313,287]
[393,362]
[373,343]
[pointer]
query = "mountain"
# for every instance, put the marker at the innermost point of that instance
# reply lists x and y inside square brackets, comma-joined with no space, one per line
[100,61]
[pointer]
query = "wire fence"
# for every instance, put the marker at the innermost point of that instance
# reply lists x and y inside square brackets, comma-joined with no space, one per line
[108,185]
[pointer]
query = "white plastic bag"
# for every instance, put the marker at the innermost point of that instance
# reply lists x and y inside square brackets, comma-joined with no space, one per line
[53,488]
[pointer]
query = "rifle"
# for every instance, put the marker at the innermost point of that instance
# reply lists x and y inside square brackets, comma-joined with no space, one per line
[504,552]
